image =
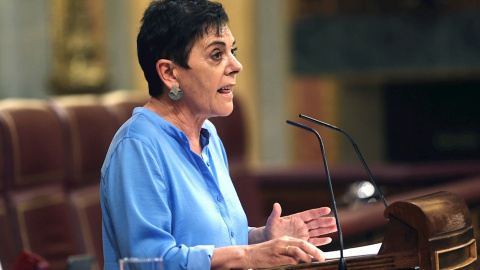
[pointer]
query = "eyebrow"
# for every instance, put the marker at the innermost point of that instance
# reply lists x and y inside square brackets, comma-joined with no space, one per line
[221,43]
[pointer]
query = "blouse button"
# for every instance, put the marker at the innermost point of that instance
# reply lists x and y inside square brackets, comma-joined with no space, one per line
[219,198]
[232,234]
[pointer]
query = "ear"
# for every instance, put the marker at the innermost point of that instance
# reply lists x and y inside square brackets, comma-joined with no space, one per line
[165,70]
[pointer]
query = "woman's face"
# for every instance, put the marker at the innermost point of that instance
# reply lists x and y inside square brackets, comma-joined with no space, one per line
[208,84]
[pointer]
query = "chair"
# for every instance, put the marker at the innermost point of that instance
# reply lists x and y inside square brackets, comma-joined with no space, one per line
[28,260]
[89,128]
[8,248]
[85,202]
[34,158]
[122,103]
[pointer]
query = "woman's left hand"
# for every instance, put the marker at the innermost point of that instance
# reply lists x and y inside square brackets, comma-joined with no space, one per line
[307,225]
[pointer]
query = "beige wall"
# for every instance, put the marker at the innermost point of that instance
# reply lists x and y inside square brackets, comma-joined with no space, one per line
[136,7]
[243,25]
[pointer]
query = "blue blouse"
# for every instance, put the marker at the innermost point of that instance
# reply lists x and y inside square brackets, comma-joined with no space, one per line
[160,199]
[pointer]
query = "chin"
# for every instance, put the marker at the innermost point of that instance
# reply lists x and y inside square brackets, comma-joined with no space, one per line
[225,111]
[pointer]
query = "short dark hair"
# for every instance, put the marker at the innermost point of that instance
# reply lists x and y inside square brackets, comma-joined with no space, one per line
[169,30]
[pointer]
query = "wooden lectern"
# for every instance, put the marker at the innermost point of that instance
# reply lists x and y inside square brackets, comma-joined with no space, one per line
[433,232]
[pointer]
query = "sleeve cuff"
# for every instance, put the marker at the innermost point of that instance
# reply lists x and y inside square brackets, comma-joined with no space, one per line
[199,258]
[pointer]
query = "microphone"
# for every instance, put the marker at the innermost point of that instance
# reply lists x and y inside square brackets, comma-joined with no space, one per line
[356,150]
[342,264]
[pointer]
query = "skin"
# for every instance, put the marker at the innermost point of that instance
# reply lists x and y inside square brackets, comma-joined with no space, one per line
[213,66]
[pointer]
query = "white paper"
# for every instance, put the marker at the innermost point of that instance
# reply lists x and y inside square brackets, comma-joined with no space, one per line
[352,252]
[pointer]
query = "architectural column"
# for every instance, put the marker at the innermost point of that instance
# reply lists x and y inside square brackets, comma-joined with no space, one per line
[273,55]
[24,48]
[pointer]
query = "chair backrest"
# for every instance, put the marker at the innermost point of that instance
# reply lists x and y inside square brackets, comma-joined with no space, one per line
[122,103]
[89,129]
[35,172]
[34,149]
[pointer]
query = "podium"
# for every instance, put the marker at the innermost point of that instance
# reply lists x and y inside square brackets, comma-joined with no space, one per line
[432,232]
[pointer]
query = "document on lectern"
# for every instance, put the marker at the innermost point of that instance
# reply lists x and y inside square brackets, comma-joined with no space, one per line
[353,252]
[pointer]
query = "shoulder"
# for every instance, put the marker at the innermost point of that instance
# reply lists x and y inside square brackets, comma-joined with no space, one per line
[143,133]
[145,126]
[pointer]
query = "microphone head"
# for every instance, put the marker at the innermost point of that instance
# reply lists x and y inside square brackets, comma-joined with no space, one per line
[300,126]
[319,122]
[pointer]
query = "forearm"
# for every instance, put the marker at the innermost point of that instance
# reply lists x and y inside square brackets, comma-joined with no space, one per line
[257,235]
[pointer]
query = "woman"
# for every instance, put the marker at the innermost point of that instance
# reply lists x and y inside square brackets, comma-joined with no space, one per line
[165,187]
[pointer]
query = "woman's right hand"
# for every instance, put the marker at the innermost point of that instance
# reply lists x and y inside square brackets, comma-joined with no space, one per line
[280,251]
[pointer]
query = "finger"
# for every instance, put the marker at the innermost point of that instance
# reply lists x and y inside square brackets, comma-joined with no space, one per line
[306,249]
[277,209]
[321,222]
[299,254]
[289,255]
[322,231]
[313,213]
[276,212]
[320,241]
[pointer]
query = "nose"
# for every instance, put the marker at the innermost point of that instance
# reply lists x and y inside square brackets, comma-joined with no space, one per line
[234,66]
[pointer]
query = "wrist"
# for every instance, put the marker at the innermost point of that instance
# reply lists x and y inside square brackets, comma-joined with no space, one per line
[264,234]
[232,257]
[257,235]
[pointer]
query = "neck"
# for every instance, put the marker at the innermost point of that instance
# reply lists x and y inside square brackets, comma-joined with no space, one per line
[181,118]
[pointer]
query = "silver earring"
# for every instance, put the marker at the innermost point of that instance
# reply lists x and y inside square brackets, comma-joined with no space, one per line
[175,93]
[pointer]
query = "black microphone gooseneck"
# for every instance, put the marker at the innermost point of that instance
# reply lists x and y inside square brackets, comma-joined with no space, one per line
[356,150]
[342,264]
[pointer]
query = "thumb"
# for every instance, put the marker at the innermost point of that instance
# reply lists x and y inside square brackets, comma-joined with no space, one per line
[271,221]
[276,212]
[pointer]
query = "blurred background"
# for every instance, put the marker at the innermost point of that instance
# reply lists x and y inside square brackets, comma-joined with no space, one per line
[384,72]
[401,77]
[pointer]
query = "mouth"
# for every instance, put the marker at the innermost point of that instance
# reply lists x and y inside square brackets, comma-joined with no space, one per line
[225,90]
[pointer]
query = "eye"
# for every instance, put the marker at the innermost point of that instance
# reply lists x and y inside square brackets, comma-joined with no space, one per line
[217,56]
[234,51]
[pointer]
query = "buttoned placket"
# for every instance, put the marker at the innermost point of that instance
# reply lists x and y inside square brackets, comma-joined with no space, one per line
[210,178]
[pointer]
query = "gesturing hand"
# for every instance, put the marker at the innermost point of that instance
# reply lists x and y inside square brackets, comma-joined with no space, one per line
[307,225]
